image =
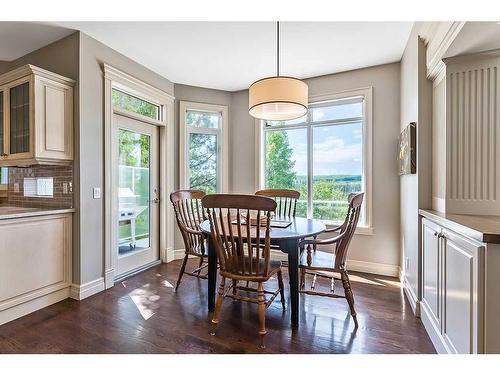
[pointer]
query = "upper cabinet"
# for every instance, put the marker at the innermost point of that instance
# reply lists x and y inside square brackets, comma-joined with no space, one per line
[36,117]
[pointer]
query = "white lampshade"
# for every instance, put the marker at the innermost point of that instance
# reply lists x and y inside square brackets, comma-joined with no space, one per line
[278,98]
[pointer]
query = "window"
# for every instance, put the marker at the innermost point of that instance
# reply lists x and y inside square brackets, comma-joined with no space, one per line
[203,147]
[324,155]
[129,103]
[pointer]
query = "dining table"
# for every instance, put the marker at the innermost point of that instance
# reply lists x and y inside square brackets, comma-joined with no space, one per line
[287,239]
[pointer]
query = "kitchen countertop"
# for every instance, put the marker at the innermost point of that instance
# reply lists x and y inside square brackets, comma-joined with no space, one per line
[10,212]
[483,228]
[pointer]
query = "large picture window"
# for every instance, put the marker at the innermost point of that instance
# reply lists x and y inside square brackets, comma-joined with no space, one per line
[325,155]
[202,151]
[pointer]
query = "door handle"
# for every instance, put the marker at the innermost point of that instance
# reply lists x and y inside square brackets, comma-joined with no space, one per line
[155,200]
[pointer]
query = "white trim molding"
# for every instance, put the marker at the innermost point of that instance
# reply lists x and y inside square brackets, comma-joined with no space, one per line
[83,291]
[438,37]
[222,135]
[114,78]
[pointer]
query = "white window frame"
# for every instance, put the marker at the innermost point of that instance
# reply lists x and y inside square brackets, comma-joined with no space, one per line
[367,94]
[222,141]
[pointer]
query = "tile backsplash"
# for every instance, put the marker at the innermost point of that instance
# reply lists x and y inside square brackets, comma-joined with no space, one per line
[60,174]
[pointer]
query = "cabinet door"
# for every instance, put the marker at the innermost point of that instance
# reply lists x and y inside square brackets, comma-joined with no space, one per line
[462,317]
[19,126]
[431,264]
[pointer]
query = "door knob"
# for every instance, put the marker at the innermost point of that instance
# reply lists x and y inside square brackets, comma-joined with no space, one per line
[155,200]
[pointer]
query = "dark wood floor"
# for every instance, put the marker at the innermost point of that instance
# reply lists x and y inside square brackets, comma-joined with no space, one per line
[144,315]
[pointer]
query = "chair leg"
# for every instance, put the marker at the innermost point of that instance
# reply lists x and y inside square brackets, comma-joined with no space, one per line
[262,315]
[235,285]
[302,278]
[349,296]
[183,267]
[199,266]
[282,289]
[218,306]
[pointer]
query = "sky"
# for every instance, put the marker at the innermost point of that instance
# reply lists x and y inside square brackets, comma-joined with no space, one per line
[336,149]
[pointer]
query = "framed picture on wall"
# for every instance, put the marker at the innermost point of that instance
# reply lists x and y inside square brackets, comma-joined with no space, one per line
[408,150]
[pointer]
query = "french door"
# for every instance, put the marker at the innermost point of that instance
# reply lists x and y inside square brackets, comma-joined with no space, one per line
[136,194]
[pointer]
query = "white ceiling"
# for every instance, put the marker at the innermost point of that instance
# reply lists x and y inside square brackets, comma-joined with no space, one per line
[231,55]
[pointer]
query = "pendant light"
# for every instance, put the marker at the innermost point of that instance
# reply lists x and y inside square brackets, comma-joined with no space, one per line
[278,98]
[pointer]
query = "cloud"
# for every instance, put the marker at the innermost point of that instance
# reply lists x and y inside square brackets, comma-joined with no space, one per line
[332,156]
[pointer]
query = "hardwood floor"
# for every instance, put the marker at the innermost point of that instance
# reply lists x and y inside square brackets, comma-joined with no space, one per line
[144,315]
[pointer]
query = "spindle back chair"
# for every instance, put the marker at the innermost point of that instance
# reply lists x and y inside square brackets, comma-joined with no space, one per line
[189,215]
[286,200]
[313,262]
[240,226]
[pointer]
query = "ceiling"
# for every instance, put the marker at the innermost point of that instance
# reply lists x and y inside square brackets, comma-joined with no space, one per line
[229,55]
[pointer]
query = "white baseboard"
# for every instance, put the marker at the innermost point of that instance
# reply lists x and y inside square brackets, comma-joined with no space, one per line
[30,306]
[179,254]
[411,296]
[109,278]
[375,268]
[83,291]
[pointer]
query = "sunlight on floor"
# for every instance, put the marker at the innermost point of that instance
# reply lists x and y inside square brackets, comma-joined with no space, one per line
[145,300]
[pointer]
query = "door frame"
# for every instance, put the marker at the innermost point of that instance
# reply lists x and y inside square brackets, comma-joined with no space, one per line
[137,126]
[116,79]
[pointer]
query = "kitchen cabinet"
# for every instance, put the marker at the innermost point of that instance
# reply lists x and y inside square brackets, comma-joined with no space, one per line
[35,261]
[452,289]
[36,125]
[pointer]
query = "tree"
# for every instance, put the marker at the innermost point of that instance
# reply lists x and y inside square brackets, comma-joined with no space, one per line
[202,152]
[279,162]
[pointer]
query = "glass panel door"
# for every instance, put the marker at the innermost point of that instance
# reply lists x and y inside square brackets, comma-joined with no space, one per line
[136,194]
[19,129]
[133,191]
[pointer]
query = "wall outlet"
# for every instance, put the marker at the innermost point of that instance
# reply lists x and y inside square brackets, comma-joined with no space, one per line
[96,193]
[65,188]
[16,187]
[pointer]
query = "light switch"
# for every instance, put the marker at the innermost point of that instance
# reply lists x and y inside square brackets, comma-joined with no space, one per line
[96,192]
[16,187]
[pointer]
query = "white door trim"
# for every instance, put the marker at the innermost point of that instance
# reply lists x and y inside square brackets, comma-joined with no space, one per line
[114,78]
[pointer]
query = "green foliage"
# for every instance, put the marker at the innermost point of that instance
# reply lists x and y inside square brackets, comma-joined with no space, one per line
[202,152]
[279,163]
[203,162]
[330,192]
[133,149]
[133,104]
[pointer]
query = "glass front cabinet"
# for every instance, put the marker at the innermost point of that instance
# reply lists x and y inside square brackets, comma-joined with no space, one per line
[36,117]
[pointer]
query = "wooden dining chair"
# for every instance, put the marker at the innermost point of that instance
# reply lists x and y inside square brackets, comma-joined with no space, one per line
[315,262]
[189,215]
[240,226]
[286,200]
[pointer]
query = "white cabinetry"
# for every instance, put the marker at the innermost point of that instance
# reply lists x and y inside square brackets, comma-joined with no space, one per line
[452,290]
[35,263]
[36,124]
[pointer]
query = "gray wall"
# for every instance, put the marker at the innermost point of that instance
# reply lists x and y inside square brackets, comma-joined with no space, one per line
[415,190]
[199,95]
[90,153]
[383,246]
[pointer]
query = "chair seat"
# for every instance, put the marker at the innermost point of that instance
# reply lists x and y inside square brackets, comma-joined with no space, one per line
[320,260]
[274,267]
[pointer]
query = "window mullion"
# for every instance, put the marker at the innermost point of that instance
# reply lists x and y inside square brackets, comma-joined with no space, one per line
[309,171]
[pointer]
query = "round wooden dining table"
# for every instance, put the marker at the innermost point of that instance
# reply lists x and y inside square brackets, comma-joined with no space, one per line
[288,241]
